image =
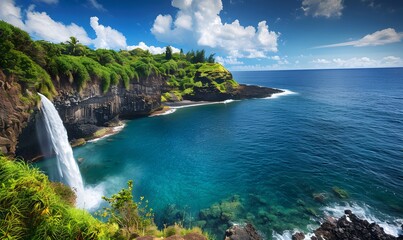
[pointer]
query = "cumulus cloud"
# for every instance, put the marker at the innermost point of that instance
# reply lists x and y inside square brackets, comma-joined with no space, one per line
[151,49]
[228,60]
[41,25]
[323,8]
[198,22]
[107,37]
[382,37]
[358,62]
[10,13]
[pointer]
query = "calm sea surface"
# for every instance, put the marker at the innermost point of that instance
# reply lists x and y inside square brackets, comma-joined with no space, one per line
[341,128]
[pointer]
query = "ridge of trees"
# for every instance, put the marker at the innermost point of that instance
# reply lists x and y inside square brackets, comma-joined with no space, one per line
[38,65]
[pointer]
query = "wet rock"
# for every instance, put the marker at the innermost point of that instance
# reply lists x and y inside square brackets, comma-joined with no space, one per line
[242,232]
[351,227]
[77,142]
[298,236]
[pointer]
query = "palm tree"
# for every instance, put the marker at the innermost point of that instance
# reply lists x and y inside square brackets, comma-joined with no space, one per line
[73,46]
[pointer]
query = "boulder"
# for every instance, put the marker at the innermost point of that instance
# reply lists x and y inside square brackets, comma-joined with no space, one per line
[351,227]
[298,236]
[242,232]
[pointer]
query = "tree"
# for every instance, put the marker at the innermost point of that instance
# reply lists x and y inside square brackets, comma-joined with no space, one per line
[168,53]
[74,47]
[200,56]
[211,58]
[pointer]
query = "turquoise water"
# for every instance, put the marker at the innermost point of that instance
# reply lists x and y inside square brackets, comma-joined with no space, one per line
[341,128]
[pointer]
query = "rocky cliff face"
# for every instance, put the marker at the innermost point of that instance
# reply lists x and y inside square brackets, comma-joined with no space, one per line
[14,113]
[83,113]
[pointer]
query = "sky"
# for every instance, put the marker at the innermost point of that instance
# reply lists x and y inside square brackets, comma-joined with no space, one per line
[243,34]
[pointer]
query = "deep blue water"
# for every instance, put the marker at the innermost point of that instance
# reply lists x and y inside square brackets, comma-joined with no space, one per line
[342,128]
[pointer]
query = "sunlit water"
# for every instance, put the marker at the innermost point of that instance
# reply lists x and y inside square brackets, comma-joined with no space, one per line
[342,128]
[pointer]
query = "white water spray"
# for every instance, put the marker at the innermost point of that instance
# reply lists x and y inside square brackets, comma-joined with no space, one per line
[68,171]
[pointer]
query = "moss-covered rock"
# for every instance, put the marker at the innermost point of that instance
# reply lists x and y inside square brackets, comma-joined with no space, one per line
[340,193]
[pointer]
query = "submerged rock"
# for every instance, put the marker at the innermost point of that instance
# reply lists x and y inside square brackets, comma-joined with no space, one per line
[340,193]
[242,232]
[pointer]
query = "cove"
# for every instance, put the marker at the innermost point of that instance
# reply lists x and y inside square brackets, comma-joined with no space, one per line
[342,129]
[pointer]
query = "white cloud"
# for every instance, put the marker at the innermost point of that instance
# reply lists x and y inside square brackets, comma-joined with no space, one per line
[151,49]
[43,26]
[94,4]
[358,62]
[49,1]
[382,37]
[228,60]
[321,61]
[107,37]
[323,8]
[258,67]
[11,13]
[198,22]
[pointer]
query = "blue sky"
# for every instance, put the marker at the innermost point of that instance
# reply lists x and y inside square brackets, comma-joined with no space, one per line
[244,34]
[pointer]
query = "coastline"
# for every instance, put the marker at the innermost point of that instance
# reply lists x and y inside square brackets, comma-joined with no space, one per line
[171,107]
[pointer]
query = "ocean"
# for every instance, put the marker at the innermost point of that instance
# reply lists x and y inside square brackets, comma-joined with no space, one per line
[282,159]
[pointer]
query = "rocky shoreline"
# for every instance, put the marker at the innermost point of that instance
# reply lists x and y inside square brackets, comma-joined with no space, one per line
[348,227]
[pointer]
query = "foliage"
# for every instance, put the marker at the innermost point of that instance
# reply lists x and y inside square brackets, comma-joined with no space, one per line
[133,218]
[38,65]
[33,208]
[168,53]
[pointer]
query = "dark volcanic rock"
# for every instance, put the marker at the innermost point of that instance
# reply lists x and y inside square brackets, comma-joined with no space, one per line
[242,92]
[239,232]
[351,227]
[84,113]
[298,236]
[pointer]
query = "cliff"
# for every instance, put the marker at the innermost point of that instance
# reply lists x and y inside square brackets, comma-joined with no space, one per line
[86,112]
[14,113]
[94,89]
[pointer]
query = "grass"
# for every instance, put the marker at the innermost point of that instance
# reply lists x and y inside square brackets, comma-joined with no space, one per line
[33,208]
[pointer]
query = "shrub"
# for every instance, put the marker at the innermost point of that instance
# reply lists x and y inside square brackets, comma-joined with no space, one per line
[31,208]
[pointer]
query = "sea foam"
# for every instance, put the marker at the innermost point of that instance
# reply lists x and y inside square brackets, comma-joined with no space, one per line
[284,93]
[390,225]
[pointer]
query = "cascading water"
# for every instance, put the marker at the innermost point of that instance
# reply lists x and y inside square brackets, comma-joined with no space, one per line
[67,168]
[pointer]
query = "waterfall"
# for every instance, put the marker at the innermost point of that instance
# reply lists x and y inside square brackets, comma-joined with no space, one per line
[67,170]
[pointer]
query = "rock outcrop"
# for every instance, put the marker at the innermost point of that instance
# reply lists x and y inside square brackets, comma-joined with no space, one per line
[349,226]
[238,93]
[85,113]
[14,113]
[242,232]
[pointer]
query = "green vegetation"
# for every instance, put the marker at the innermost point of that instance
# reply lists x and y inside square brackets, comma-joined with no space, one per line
[33,208]
[133,218]
[40,66]
[340,193]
